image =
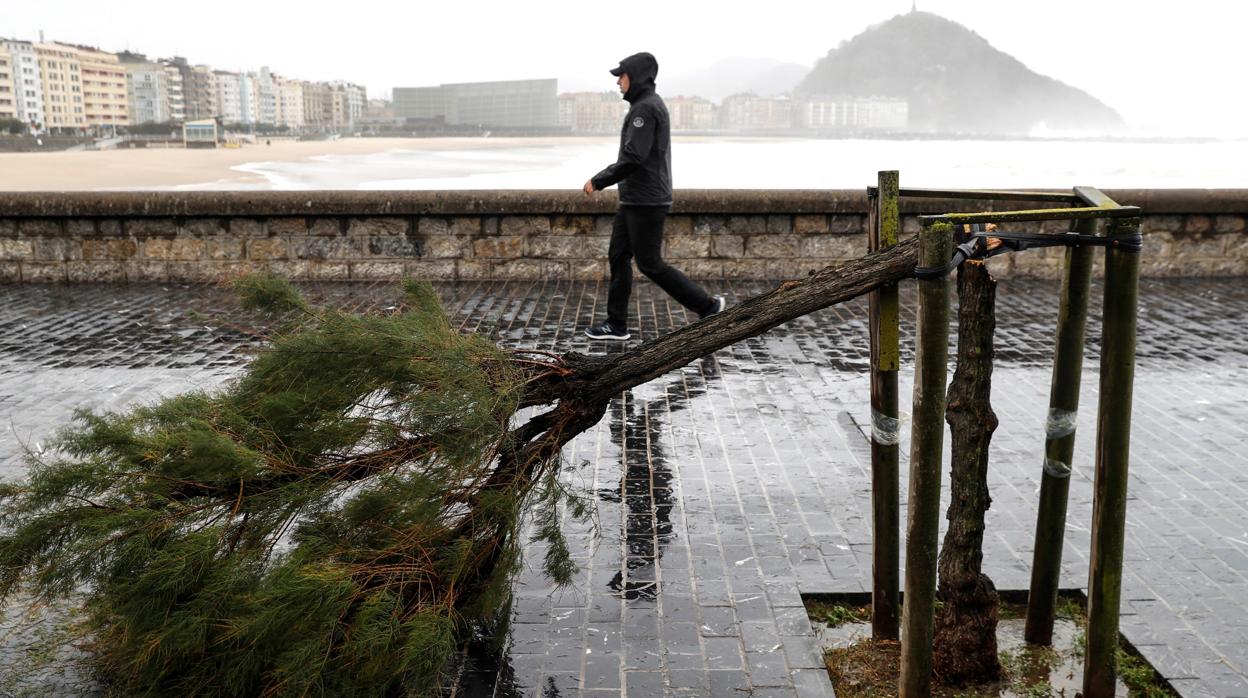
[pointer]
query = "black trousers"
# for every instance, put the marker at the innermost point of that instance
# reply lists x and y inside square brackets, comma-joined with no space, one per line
[638,234]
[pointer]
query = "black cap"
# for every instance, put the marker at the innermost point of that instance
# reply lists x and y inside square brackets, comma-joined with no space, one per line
[638,66]
[618,70]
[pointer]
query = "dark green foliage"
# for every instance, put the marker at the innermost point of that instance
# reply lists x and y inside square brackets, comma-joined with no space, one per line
[332,523]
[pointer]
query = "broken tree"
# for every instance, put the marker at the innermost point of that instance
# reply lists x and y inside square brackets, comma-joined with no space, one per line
[338,518]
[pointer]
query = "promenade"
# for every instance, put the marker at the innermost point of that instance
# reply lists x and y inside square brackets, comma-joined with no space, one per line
[728,489]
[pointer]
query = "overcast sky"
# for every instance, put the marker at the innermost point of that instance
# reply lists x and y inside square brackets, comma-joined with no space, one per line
[1167,67]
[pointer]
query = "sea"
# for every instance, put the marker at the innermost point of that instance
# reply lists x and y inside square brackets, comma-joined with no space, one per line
[777,163]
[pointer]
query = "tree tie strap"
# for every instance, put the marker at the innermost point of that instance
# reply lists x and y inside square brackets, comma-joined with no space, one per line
[974,245]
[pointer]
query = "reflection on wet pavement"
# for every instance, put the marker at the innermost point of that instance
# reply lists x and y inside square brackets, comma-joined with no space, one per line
[728,488]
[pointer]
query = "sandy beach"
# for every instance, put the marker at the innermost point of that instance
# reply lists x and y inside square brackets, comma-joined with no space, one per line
[161,168]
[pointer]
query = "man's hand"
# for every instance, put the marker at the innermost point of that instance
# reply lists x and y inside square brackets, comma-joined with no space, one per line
[588,188]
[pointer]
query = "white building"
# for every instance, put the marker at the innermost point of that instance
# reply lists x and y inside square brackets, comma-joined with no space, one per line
[230,96]
[853,113]
[27,86]
[290,103]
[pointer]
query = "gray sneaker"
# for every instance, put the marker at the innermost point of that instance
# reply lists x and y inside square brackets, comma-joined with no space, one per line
[720,304]
[605,330]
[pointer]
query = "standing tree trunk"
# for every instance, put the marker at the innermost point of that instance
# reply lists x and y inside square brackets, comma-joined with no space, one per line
[966,627]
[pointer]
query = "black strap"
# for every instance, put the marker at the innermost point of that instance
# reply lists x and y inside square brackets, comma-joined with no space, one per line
[974,245]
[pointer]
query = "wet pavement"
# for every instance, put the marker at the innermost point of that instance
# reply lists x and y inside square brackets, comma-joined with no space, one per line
[731,487]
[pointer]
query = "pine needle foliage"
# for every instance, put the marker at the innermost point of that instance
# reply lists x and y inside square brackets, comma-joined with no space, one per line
[333,522]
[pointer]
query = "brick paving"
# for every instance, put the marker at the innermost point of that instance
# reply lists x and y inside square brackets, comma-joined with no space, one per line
[729,488]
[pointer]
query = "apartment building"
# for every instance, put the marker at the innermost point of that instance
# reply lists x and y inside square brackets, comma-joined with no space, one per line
[8,86]
[201,93]
[27,85]
[290,103]
[592,112]
[154,90]
[104,91]
[229,96]
[61,76]
[691,113]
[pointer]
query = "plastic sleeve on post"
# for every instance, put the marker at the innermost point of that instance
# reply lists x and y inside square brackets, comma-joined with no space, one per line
[885,430]
[1060,423]
[1056,468]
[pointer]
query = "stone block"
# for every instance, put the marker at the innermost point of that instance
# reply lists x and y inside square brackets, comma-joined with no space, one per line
[10,272]
[221,249]
[779,223]
[745,224]
[1169,224]
[326,227]
[472,269]
[588,270]
[248,227]
[287,225]
[709,224]
[530,269]
[498,247]
[199,272]
[731,246]
[704,268]
[141,270]
[58,249]
[1228,224]
[465,225]
[1236,246]
[92,272]
[745,269]
[378,226]
[81,227]
[445,246]
[524,225]
[8,228]
[687,246]
[203,227]
[34,227]
[571,225]
[433,225]
[321,248]
[1000,266]
[432,270]
[603,225]
[678,225]
[376,270]
[326,270]
[1037,267]
[1224,268]
[43,272]
[771,246]
[1196,224]
[265,249]
[833,246]
[150,227]
[109,249]
[108,226]
[489,226]
[810,223]
[1200,246]
[11,249]
[391,246]
[847,223]
[565,247]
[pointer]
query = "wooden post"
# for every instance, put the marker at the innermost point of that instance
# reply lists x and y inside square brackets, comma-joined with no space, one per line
[1059,445]
[1113,436]
[885,505]
[926,448]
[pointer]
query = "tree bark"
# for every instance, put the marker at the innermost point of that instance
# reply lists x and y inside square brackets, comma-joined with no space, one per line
[966,627]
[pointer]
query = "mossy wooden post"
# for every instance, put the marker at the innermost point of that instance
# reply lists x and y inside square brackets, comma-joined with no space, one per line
[885,507]
[1113,435]
[926,447]
[1059,445]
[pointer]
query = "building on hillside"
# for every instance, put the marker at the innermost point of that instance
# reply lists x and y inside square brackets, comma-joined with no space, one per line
[749,112]
[502,104]
[691,113]
[27,85]
[591,112]
[61,80]
[852,113]
[8,86]
[105,96]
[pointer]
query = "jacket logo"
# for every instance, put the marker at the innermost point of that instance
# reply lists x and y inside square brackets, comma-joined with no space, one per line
[639,122]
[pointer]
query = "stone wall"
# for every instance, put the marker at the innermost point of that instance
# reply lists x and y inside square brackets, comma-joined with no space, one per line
[208,236]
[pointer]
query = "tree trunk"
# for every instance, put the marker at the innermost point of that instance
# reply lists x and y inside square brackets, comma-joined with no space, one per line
[966,627]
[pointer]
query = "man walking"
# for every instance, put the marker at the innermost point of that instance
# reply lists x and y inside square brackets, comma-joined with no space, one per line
[643,170]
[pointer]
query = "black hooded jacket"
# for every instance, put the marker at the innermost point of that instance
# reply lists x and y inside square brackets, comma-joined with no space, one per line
[643,168]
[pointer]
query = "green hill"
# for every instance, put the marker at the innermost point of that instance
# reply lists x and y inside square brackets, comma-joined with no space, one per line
[955,81]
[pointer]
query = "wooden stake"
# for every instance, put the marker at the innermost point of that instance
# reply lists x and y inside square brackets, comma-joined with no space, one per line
[926,447]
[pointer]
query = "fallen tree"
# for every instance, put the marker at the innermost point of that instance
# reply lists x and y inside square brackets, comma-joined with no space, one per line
[338,518]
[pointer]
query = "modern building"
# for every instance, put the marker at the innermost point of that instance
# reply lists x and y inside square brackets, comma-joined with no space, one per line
[8,86]
[154,89]
[200,90]
[852,113]
[591,112]
[27,85]
[229,88]
[691,113]
[105,95]
[749,112]
[504,104]
[290,103]
[61,80]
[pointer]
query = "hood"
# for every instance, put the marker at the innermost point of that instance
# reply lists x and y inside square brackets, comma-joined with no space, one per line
[642,69]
